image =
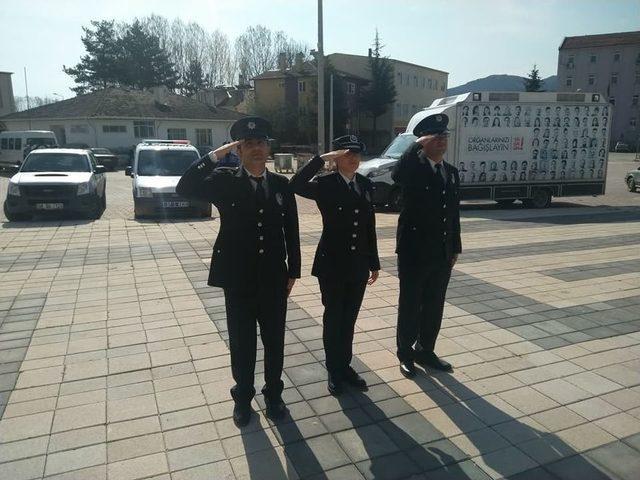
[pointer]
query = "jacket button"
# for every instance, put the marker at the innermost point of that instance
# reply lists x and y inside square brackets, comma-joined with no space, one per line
[413,228]
[444,219]
[233,204]
[353,235]
[261,251]
[443,192]
[444,205]
[353,247]
[445,234]
[259,224]
[261,237]
[355,224]
[261,210]
[339,208]
[426,188]
[282,214]
[356,211]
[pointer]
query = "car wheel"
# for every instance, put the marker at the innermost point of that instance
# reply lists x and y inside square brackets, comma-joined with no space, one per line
[541,198]
[631,184]
[504,202]
[96,211]
[206,213]
[395,200]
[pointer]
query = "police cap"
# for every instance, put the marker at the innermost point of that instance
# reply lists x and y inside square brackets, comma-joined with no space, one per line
[432,125]
[251,127]
[348,142]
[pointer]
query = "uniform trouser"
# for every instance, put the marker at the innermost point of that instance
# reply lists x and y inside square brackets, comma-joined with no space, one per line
[423,287]
[266,304]
[341,299]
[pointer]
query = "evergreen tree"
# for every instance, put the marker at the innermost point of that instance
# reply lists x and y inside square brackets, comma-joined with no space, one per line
[194,79]
[381,92]
[533,82]
[101,67]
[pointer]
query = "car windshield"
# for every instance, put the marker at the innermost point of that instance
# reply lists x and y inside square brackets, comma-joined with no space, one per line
[40,141]
[55,162]
[101,151]
[166,163]
[399,146]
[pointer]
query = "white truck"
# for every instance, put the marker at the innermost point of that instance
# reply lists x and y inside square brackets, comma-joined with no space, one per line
[508,146]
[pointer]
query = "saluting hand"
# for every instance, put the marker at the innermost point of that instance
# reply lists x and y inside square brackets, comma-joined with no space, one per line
[330,157]
[373,277]
[222,150]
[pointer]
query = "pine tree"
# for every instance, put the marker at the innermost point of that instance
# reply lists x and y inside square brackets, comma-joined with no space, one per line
[533,83]
[381,92]
[101,67]
[194,79]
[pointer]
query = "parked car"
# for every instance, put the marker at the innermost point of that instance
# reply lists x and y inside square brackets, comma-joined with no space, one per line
[622,148]
[14,146]
[156,170]
[57,180]
[106,157]
[632,179]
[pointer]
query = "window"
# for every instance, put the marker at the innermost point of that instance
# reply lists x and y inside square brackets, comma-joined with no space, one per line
[351,88]
[632,122]
[408,79]
[398,113]
[415,81]
[79,129]
[176,133]
[302,86]
[593,58]
[569,82]
[203,136]
[18,144]
[570,61]
[430,84]
[144,129]
[281,84]
[442,87]
[637,78]
[424,82]
[592,79]
[435,84]
[400,78]
[616,57]
[4,142]
[11,144]
[614,78]
[634,100]
[612,100]
[114,129]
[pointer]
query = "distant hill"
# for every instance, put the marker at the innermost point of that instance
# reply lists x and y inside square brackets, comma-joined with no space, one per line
[501,83]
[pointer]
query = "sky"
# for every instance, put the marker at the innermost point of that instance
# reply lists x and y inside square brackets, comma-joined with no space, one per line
[468,38]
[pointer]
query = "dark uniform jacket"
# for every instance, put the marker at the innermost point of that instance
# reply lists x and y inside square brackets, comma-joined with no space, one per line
[348,246]
[429,223]
[254,241]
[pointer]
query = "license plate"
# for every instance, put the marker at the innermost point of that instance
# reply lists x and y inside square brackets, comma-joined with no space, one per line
[175,204]
[49,206]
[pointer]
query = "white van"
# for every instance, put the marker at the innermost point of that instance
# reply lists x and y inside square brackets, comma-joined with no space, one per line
[156,170]
[13,145]
[507,146]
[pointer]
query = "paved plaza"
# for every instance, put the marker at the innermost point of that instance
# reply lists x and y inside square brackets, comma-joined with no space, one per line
[114,359]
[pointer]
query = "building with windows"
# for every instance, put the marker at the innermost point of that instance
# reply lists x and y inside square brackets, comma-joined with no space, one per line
[608,64]
[120,118]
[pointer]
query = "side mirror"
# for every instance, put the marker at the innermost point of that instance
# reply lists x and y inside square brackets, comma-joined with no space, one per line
[13,169]
[128,171]
[100,169]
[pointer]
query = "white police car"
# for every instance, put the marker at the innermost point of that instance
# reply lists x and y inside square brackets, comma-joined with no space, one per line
[156,170]
[379,170]
[62,180]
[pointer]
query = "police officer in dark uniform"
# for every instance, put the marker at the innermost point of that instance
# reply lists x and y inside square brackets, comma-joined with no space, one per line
[346,259]
[427,242]
[258,237]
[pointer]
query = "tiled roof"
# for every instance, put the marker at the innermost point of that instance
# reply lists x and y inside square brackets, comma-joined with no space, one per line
[124,103]
[604,40]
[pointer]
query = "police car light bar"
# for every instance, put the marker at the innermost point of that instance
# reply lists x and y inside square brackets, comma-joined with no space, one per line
[153,141]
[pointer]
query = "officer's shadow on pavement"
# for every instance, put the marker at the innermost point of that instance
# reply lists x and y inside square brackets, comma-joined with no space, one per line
[471,413]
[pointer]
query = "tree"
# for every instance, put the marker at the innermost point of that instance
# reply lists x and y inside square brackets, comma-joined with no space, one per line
[381,92]
[101,67]
[146,64]
[194,79]
[533,82]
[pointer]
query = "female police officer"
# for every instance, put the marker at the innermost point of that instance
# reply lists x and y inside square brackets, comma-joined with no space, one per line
[346,259]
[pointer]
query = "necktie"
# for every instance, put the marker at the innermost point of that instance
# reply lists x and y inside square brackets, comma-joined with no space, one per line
[352,187]
[439,175]
[261,196]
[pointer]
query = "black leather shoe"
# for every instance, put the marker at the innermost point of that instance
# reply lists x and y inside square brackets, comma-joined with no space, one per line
[276,409]
[352,378]
[408,369]
[241,414]
[334,385]
[431,360]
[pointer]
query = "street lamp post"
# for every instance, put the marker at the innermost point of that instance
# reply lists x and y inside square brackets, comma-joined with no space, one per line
[320,64]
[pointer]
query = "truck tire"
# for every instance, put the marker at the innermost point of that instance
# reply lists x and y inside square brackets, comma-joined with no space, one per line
[395,200]
[541,198]
[505,202]
[631,184]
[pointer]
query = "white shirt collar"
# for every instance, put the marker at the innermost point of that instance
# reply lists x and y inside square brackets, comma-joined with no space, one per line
[263,174]
[346,179]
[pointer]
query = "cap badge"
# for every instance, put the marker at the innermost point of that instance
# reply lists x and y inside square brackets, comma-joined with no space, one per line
[439,118]
[353,138]
[251,125]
